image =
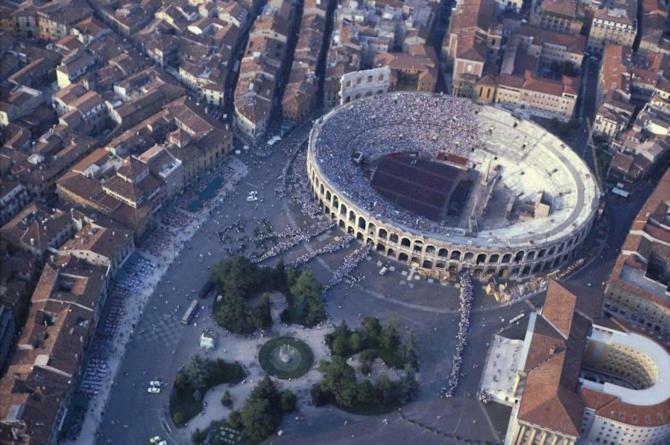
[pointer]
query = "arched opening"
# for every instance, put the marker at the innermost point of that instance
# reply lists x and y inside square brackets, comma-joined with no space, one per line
[359,236]
[430,250]
[530,256]
[481,258]
[352,216]
[494,258]
[440,265]
[393,238]
[427,264]
[542,253]
[518,257]
[405,242]
[469,256]
[444,253]
[343,210]
[342,224]
[507,258]
[382,233]
[403,256]
[380,247]
[361,222]
[328,195]
[455,255]
[350,230]
[372,228]
[391,253]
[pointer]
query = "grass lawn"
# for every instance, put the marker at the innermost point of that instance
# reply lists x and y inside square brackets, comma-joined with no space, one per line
[184,406]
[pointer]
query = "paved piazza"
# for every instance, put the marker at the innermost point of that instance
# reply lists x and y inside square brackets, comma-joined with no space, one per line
[154,345]
[523,206]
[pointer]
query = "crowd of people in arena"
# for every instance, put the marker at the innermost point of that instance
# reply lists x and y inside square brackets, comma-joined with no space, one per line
[461,338]
[366,129]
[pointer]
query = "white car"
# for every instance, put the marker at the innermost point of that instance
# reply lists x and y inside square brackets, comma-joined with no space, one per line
[154,440]
[155,383]
[153,390]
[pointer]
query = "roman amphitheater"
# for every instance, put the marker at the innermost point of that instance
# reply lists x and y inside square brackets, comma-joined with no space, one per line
[443,184]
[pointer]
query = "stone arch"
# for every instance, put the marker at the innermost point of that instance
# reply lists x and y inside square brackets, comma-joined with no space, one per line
[329,196]
[350,230]
[494,258]
[382,233]
[456,255]
[542,253]
[361,222]
[321,189]
[342,224]
[391,253]
[372,228]
[380,247]
[343,210]
[481,258]
[519,256]
[507,258]
[352,216]
[427,264]
[393,238]
[359,236]
[468,257]
[441,264]
[430,250]
[530,256]
[405,242]
[444,253]
[402,256]
[336,202]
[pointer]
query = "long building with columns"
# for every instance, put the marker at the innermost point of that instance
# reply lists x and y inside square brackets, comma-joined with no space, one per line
[443,185]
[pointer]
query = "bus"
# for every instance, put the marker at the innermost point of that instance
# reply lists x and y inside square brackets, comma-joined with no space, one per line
[190,312]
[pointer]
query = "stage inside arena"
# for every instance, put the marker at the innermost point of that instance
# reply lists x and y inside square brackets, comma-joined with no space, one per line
[433,189]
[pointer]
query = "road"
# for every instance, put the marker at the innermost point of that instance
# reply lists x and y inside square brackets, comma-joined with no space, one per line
[160,345]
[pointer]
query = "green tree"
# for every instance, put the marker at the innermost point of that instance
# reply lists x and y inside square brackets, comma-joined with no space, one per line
[288,401]
[227,399]
[180,381]
[178,418]
[355,342]
[371,330]
[409,387]
[366,393]
[263,313]
[340,345]
[236,277]
[198,436]
[408,352]
[319,396]
[315,310]
[197,371]
[389,336]
[339,380]
[235,420]
[306,285]
[366,358]
[385,389]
